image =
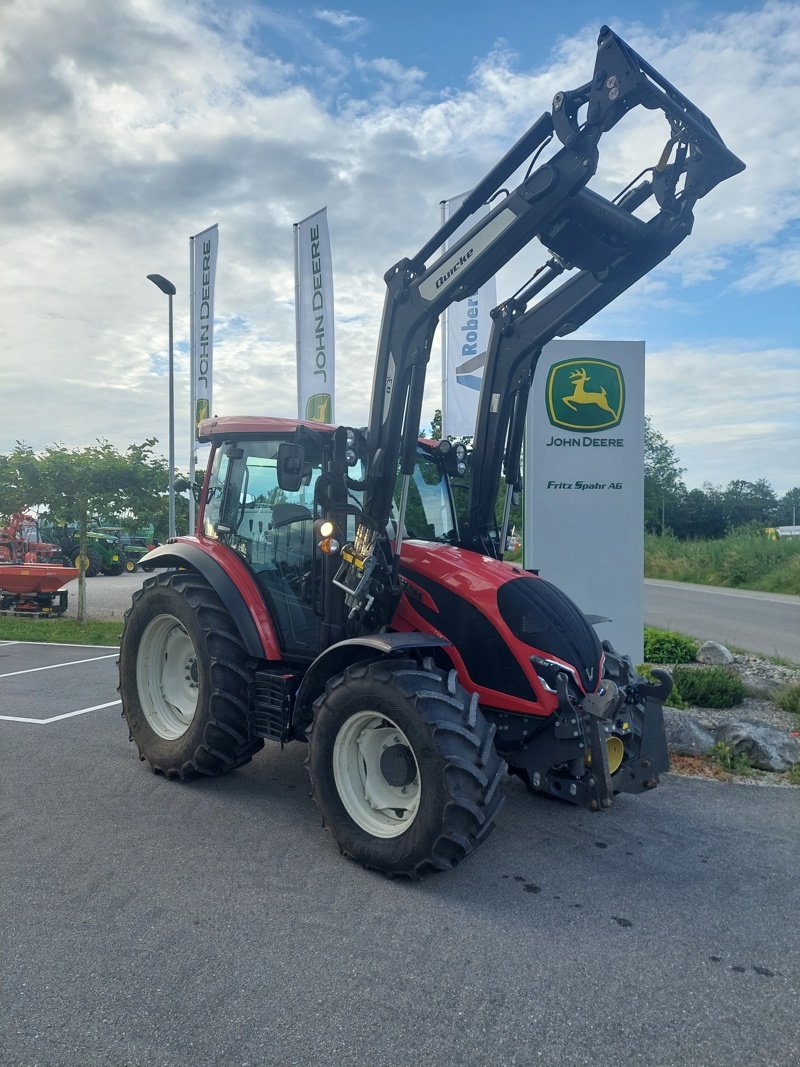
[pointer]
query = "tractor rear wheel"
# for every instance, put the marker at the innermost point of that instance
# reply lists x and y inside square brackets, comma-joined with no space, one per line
[403,767]
[184,679]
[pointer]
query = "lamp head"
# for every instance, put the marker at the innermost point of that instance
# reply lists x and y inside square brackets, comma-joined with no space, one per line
[163,284]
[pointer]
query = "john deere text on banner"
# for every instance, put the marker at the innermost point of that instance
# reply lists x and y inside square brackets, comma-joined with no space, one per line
[584,481]
[203,262]
[464,338]
[313,273]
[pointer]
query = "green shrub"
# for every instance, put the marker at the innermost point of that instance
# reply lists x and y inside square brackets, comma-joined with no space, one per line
[794,774]
[788,699]
[708,687]
[662,646]
[723,756]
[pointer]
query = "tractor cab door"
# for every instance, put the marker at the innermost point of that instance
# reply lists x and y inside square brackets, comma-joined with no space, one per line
[271,529]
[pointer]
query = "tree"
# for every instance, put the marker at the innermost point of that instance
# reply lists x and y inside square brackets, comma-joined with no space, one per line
[663,484]
[749,502]
[74,486]
[698,514]
[789,508]
[436,426]
[19,480]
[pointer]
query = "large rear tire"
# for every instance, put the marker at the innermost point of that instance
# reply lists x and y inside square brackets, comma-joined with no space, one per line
[184,679]
[403,767]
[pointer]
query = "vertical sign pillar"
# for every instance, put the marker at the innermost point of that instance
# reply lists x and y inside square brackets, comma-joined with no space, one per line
[584,481]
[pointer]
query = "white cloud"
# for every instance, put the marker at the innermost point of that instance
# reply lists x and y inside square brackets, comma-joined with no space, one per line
[353,25]
[729,412]
[128,126]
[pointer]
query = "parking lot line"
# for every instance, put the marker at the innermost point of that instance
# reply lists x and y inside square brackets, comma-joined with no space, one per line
[52,666]
[55,718]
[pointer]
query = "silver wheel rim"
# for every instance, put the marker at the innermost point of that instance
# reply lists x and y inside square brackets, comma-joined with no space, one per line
[166,677]
[372,802]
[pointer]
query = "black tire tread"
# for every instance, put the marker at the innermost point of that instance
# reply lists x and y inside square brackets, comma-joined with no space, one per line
[226,742]
[465,741]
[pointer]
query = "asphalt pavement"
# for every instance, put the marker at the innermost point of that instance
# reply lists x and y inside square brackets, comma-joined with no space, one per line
[764,623]
[148,923]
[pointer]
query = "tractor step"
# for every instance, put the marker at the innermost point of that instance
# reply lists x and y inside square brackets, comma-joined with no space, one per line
[272,699]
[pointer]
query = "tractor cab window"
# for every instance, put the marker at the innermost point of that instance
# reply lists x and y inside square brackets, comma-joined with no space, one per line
[429,509]
[271,529]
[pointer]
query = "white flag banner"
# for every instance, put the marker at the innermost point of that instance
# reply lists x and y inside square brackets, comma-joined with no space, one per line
[203,252]
[313,273]
[464,339]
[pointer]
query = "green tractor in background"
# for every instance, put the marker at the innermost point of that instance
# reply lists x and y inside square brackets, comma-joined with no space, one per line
[130,546]
[110,550]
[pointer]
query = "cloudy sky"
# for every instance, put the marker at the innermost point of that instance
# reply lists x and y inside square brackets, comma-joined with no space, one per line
[130,124]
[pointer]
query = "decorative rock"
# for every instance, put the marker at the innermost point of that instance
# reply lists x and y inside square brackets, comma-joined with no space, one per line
[765,747]
[761,688]
[712,653]
[685,735]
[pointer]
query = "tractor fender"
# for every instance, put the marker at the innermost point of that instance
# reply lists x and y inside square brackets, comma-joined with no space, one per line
[193,557]
[339,656]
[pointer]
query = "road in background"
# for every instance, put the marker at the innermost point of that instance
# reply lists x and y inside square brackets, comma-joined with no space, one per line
[766,623]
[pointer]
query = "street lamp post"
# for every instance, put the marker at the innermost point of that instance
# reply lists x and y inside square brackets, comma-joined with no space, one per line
[167,287]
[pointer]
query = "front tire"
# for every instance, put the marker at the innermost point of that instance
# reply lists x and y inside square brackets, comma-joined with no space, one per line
[403,767]
[184,679]
[90,564]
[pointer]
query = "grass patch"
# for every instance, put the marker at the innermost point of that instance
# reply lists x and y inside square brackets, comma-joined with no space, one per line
[60,631]
[722,755]
[788,699]
[743,560]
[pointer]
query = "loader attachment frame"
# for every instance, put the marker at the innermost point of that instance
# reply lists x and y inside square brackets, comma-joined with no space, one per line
[602,238]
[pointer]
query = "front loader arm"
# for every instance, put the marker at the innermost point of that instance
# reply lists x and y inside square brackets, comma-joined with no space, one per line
[515,345]
[551,203]
[614,248]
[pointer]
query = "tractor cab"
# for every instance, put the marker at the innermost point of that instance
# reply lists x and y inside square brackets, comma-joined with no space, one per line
[267,499]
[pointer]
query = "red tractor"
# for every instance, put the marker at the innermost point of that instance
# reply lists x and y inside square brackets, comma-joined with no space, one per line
[20,542]
[346,586]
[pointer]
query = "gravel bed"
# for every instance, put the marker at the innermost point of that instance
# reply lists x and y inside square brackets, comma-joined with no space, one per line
[108,597]
[761,678]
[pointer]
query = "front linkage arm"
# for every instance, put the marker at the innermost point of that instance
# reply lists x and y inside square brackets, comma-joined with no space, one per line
[580,227]
[612,249]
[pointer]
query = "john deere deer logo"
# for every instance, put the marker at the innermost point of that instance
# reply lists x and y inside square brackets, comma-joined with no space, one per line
[319,408]
[585,394]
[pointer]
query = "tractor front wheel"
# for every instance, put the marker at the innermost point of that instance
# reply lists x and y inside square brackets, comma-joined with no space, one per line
[403,767]
[90,563]
[184,679]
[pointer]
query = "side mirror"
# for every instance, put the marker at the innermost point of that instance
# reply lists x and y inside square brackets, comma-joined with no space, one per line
[291,467]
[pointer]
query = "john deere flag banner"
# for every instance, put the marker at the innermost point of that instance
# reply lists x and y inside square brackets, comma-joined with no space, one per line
[584,481]
[203,263]
[313,274]
[464,338]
